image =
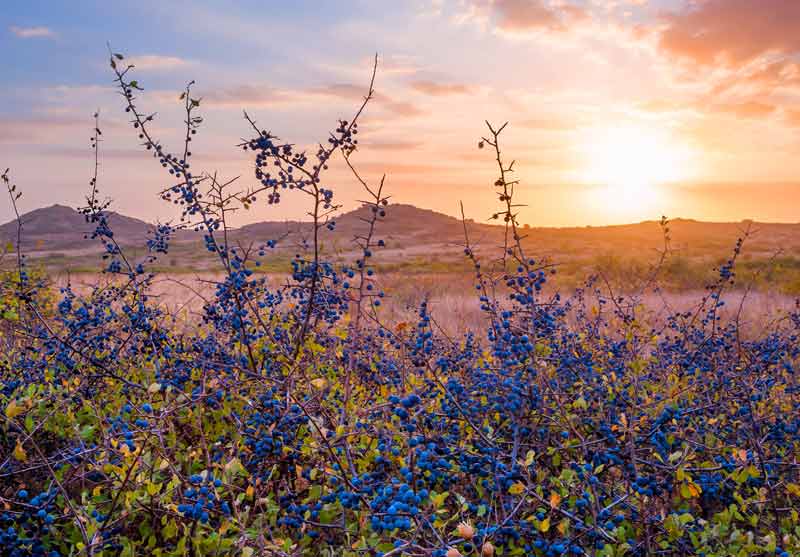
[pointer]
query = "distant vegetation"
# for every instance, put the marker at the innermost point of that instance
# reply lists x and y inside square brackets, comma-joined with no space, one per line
[293,413]
[419,241]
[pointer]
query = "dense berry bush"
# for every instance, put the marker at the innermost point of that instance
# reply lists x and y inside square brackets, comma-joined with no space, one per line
[292,420]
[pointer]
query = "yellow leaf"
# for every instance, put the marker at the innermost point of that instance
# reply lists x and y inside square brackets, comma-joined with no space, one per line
[529,458]
[555,499]
[690,490]
[13,410]
[19,453]
[544,525]
[516,488]
[319,383]
[562,526]
[250,491]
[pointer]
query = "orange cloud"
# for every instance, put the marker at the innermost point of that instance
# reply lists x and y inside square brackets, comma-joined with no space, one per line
[733,32]
[440,89]
[792,117]
[748,109]
[517,16]
[549,123]
[390,145]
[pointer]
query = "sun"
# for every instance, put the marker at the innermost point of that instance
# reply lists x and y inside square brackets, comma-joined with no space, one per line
[630,165]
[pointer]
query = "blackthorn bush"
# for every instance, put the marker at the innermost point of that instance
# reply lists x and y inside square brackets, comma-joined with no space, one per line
[293,420]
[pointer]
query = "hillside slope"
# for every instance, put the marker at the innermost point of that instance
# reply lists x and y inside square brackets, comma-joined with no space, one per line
[410,231]
[62,228]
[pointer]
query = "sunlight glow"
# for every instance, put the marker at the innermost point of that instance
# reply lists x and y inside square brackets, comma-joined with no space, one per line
[630,165]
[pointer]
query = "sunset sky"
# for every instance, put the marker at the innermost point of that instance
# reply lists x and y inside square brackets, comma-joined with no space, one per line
[618,110]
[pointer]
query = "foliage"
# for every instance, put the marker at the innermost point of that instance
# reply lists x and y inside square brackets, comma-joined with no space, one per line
[293,421]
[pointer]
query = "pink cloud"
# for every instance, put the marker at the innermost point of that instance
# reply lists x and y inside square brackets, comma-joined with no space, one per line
[525,14]
[251,96]
[520,16]
[732,32]
[32,32]
[437,89]
[149,62]
[40,129]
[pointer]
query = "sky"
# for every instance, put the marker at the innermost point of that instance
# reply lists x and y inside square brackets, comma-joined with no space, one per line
[619,110]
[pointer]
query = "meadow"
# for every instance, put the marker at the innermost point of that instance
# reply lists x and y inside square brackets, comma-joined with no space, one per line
[491,401]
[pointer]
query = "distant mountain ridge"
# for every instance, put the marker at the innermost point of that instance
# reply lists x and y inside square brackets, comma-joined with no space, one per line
[59,228]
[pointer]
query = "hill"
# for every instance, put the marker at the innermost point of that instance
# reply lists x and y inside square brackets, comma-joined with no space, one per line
[62,228]
[421,240]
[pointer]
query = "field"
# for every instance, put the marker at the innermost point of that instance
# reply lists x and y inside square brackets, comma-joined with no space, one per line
[414,385]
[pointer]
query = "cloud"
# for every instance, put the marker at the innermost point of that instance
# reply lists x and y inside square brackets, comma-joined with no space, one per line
[32,32]
[748,109]
[398,64]
[741,56]
[35,129]
[390,145]
[86,154]
[400,108]
[523,16]
[658,106]
[436,89]
[732,32]
[243,96]
[393,168]
[759,78]
[792,117]
[154,62]
[740,108]
[551,123]
[264,96]
[251,96]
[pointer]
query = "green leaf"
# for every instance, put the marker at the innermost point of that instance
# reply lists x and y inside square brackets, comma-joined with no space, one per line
[87,432]
[439,499]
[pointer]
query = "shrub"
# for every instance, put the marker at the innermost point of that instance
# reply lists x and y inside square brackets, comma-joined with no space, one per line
[294,421]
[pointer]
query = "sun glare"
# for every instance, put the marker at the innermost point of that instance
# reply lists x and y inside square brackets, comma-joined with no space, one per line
[629,167]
